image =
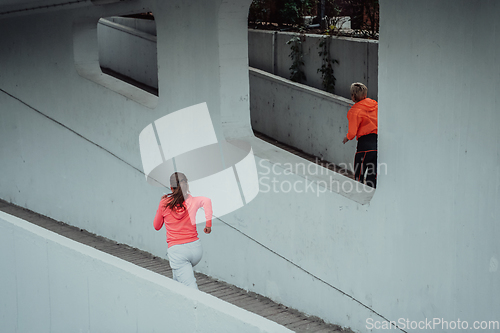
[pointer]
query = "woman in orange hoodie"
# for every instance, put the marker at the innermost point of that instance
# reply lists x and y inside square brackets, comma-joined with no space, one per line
[177,211]
[363,124]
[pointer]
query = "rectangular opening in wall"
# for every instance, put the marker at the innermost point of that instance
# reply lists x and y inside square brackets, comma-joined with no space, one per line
[300,77]
[127,50]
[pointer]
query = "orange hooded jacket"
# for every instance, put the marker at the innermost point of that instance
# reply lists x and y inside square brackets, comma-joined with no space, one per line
[363,118]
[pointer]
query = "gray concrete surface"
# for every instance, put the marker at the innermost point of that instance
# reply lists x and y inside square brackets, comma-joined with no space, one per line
[263,306]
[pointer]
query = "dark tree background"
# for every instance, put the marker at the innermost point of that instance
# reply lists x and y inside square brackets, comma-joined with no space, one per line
[290,13]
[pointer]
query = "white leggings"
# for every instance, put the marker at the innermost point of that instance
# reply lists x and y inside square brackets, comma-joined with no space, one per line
[183,258]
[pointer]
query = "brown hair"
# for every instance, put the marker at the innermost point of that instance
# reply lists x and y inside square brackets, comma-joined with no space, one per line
[180,187]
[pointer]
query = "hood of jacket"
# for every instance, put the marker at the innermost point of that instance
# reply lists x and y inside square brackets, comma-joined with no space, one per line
[368,104]
[179,212]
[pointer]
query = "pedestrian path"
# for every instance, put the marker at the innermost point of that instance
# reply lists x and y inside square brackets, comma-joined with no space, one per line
[309,157]
[263,306]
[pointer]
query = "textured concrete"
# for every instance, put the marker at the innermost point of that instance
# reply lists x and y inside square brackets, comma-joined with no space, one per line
[255,303]
[52,284]
[425,246]
[357,59]
[301,116]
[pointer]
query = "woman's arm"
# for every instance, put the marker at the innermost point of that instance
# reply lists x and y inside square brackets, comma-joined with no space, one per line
[158,221]
[207,207]
[206,204]
[352,117]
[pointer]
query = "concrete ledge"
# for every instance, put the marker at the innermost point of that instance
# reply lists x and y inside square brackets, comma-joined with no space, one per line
[270,156]
[144,25]
[302,87]
[52,284]
[118,24]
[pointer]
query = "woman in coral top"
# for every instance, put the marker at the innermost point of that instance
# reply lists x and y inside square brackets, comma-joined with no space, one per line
[177,211]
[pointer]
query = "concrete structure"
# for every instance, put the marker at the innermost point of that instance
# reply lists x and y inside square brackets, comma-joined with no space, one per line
[130,51]
[301,116]
[53,284]
[358,59]
[258,304]
[147,26]
[128,47]
[425,246]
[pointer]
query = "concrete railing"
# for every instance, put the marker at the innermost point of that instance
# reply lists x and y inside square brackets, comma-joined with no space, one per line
[303,117]
[143,25]
[358,59]
[49,283]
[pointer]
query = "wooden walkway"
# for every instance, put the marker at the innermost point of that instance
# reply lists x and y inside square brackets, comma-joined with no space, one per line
[263,306]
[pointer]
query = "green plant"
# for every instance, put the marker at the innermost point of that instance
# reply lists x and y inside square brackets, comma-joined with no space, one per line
[296,72]
[326,69]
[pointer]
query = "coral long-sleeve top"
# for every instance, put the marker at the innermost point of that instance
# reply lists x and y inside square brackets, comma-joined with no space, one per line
[181,221]
[363,118]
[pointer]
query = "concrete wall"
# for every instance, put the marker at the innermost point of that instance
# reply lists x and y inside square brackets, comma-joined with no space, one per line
[427,245]
[439,107]
[70,144]
[132,53]
[358,59]
[52,284]
[262,50]
[128,51]
[303,117]
[423,246]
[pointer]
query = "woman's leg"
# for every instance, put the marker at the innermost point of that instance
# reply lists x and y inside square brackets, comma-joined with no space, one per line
[370,163]
[359,170]
[366,162]
[366,159]
[196,252]
[182,258]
